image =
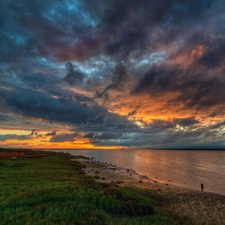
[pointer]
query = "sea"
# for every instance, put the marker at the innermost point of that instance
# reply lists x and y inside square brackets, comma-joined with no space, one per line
[184,168]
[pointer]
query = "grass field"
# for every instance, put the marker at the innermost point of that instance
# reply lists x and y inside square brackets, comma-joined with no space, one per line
[14,150]
[54,190]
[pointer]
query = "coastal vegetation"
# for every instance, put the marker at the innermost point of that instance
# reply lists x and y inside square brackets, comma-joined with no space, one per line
[55,190]
[15,150]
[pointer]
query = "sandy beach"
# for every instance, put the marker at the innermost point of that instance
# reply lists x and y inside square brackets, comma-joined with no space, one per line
[209,208]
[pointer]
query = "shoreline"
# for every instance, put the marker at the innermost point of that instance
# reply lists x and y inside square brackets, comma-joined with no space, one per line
[181,205]
[129,177]
[207,206]
[174,167]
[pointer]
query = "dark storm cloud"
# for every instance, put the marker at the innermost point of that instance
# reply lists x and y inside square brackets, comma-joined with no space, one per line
[37,104]
[53,133]
[102,138]
[215,55]
[119,41]
[201,94]
[77,30]
[73,75]
[194,88]
[191,138]
[185,122]
[158,80]
[41,28]
[119,78]
[13,137]
[34,132]
[63,137]
[146,25]
[160,124]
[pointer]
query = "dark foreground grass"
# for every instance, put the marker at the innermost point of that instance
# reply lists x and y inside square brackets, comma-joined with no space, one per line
[54,190]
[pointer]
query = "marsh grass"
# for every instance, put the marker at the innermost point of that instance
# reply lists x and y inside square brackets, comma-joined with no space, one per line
[15,150]
[54,190]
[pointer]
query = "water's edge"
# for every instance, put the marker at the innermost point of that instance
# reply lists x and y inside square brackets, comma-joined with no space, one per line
[188,169]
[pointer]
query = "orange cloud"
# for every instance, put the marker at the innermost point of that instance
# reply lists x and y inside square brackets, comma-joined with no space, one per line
[42,141]
[198,51]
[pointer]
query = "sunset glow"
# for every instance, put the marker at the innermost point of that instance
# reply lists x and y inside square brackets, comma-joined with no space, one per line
[112,74]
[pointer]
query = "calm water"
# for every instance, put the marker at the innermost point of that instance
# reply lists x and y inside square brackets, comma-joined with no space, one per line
[183,168]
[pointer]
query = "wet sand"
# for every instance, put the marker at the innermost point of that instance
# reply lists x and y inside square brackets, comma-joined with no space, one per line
[202,207]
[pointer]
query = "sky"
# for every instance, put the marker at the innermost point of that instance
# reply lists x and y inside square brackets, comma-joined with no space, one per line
[112,74]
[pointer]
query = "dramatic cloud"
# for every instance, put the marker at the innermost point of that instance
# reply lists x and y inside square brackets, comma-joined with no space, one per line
[89,74]
[73,76]
[184,122]
[13,136]
[53,133]
[63,137]
[119,78]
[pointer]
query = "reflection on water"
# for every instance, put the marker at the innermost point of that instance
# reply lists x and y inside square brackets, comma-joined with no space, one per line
[183,168]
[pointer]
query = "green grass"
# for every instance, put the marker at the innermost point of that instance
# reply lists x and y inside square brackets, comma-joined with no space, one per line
[54,190]
[15,150]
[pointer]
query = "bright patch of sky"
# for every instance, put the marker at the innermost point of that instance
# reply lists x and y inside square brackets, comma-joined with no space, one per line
[47,63]
[96,66]
[148,59]
[180,128]
[104,65]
